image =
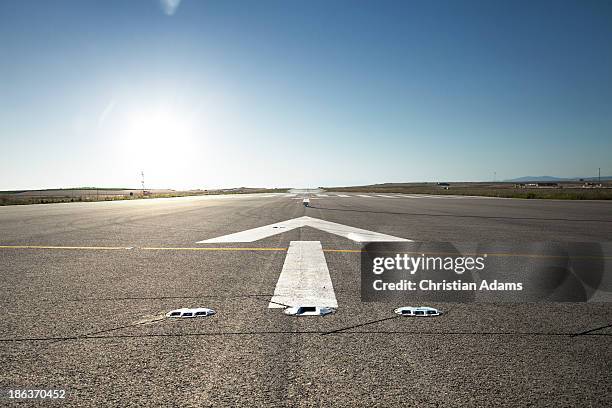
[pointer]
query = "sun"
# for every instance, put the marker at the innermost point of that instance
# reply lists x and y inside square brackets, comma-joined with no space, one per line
[159,138]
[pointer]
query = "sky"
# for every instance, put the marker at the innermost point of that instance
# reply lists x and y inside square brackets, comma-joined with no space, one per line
[209,94]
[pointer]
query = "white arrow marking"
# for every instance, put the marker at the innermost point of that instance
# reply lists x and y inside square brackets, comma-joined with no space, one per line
[304,280]
[352,233]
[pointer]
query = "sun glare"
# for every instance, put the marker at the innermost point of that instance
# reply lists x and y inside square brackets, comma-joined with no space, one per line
[158,139]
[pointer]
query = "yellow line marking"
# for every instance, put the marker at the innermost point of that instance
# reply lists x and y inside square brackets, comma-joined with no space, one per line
[548,256]
[143,248]
[474,254]
[58,247]
[213,249]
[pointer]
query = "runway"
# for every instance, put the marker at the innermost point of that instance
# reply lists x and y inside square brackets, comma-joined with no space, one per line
[84,285]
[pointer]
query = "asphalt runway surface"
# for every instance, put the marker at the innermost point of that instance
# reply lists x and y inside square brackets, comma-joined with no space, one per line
[84,286]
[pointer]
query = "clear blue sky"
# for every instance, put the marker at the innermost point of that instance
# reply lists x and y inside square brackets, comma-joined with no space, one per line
[309,93]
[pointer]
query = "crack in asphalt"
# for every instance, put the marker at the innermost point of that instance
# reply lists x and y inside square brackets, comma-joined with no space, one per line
[310,332]
[359,325]
[586,332]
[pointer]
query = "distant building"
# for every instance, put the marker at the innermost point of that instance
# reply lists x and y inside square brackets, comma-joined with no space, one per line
[538,185]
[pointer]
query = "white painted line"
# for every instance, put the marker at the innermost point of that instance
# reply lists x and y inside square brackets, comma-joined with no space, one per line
[385,196]
[290,195]
[321,195]
[364,196]
[352,233]
[343,195]
[255,234]
[304,280]
[270,195]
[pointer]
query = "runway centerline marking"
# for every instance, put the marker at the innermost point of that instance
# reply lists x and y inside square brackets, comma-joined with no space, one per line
[304,279]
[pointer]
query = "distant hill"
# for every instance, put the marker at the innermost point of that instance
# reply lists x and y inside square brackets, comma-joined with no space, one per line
[525,179]
[529,179]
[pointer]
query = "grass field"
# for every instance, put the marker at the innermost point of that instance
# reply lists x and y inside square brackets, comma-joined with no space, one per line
[25,197]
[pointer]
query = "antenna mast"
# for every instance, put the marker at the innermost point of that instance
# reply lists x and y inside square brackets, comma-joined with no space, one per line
[142,182]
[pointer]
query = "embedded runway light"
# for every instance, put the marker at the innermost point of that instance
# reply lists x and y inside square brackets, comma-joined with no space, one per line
[308,311]
[190,313]
[421,311]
